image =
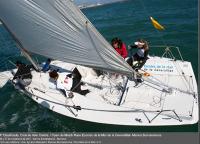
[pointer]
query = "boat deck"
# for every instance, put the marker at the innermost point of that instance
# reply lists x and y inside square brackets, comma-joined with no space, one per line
[116,99]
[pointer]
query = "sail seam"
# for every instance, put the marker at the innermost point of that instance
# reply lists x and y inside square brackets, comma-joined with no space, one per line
[93,42]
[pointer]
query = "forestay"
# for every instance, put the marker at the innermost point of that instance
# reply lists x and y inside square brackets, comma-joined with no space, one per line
[57,29]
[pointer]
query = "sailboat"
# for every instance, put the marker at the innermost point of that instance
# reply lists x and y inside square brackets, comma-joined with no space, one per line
[57,29]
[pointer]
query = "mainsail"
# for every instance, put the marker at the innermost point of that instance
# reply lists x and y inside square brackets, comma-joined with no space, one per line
[59,30]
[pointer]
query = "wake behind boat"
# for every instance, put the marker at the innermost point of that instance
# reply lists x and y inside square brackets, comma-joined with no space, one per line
[166,93]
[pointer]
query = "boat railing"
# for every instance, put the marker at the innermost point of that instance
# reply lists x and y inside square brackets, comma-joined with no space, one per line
[169,51]
[157,113]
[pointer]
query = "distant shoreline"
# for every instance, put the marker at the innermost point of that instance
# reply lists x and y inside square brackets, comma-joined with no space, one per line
[83,6]
[86,5]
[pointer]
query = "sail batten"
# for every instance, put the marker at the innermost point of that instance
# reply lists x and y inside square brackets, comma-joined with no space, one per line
[58,29]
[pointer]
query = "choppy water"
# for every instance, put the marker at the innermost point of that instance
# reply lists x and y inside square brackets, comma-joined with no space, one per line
[128,20]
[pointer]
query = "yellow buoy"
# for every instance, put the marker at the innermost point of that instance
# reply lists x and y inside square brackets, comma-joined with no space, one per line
[156,24]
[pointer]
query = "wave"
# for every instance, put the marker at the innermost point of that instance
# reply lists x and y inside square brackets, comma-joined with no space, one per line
[3,126]
[97,4]
[7,103]
[14,118]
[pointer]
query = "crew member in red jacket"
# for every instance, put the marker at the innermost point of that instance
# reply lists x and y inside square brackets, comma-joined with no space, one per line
[120,47]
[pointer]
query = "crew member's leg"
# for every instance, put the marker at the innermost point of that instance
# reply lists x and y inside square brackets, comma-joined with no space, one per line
[76,86]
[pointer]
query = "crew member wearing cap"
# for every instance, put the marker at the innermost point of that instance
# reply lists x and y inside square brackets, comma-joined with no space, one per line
[142,53]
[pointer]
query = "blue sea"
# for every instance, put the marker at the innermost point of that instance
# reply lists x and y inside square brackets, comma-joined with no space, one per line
[128,20]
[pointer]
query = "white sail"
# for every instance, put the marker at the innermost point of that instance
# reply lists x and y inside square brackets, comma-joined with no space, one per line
[57,29]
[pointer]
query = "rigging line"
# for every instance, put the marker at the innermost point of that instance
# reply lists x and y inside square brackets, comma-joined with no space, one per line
[93,43]
[44,92]
[102,79]
[192,110]
[173,57]
[160,97]
[123,92]
[4,60]
[169,52]
[146,117]
[150,105]
[181,73]
[190,86]
[165,95]
[112,83]
[145,89]
[136,86]
[148,15]
[20,46]
[155,116]
[11,63]
[168,63]
[47,95]
[70,110]
[143,93]
[158,84]
[161,83]
[153,87]
[157,102]
[8,58]
[90,109]
[192,83]
[158,81]
[62,104]
[157,78]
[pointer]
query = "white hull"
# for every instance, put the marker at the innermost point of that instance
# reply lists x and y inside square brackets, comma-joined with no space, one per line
[144,104]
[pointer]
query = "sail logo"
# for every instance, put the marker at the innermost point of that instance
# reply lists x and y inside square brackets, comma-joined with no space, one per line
[159,68]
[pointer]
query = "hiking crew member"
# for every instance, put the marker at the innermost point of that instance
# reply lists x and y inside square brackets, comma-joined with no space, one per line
[23,75]
[71,82]
[141,55]
[120,47]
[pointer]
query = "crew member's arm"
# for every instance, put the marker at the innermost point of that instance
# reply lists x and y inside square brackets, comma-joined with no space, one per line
[133,46]
[32,67]
[124,51]
[146,54]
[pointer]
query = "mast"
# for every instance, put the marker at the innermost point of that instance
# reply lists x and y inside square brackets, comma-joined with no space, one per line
[20,46]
